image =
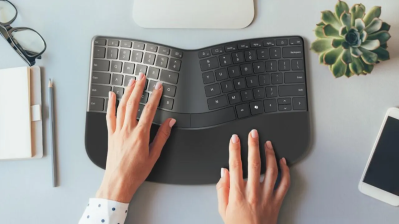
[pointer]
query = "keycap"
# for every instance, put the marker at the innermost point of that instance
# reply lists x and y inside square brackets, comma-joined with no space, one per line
[101,78]
[242,46]
[284,101]
[221,74]
[247,95]
[137,56]
[256,44]
[144,97]
[263,54]
[271,91]
[169,90]
[225,60]
[101,42]
[295,41]
[264,80]
[118,91]
[227,86]
[112,53]
[212,90]
[128,68]
[284,107]
[270,106]
[275,53]
[238,57]
[292,52]
[170,77]
[127,79]
[213,118]
[149,58]
[250,55]
[297,64]
[96,104]
[151,48]
[153,73]
[259,93]
[161,61]
[116,66]
[208,77]
[256,107]
[138,45]
[117,79]
[234,71]
[277,78]
[124,55]
[141,69]
[166,103]
[114,43]
[243,110]
[271,66]
[252,81]
[292,90]
[100,65]
[161,116]
[282,42]
[299,103]
[217,50]
[234,98]
[259,67]
[174,64]
[217,102]
[209,63]
[294,77]
[231,47]
[126,44]
[177,54]
[164,50]
[246,69]
[151,85]
[97,90]
[239,83]
[204,53]
[284,65]
[99,52]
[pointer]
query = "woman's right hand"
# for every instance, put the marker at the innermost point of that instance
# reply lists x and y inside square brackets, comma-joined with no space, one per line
[252,201]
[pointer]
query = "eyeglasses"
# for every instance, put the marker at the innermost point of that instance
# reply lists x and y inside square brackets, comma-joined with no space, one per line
[25,41]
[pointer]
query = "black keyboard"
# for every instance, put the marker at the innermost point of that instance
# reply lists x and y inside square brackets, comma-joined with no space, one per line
[205,87]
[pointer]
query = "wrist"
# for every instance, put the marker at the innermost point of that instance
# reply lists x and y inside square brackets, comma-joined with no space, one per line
[116,190]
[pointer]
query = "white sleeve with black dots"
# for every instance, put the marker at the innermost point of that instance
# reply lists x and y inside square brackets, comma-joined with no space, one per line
[103,211]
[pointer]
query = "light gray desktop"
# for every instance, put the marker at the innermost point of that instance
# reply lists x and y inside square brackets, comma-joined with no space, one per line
[346,116]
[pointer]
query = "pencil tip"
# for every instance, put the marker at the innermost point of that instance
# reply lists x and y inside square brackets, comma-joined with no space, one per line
[50,84]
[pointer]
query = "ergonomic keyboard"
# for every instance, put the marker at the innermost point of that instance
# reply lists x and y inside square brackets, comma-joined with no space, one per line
[212,93]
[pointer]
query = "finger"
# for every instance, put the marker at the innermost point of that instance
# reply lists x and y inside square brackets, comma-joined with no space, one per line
[271,170]
[285,181]
[122,105]
[235,168]
[150,109]
[131,109]
[161,138]
[111,120]
[134,99]
[223,189]
[253,184]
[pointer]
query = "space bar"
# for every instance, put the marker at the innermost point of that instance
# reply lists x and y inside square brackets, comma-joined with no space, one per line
[213,118]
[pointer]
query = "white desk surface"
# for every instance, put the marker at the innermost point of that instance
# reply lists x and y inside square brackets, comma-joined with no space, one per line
[346,116]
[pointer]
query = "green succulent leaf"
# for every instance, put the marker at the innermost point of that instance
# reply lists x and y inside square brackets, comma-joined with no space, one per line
[340,8]
[357,11]
[339,68]
[374,26]
[319,32]
[385,26]
[370,44]
[347,57]
[367,69]
[321,45]
[383,54]
[331,57]
[330,31]
[368,56]
[385,46]
[337,42]
[321,58]
[345,45]
[359,24]
[356,66]
[348,72]
[363,36]
[355,52]
[353,38]
[321,24]
[346,20]
[374,12]
[329,18]
[343,31]
[382,36]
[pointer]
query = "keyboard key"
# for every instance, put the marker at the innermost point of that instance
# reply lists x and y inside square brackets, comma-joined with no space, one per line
[299,103]
[297,64]
[169,90]
[149,58]
[217,50]
[151,48]
[151,85]
[138,45]
[161,61]
[295,41]
[238,57]
[263,54]
[208,64]
[264,80]
[97,90]
[252,81]
[144,98]
[227,86]
[101,78]
[284,107]
[166,103]
[208,77]
[256,44]
[126,44]
[242,46]
[221,74]
[271,91]
[275,53]
[114,43]
[124,55]
[282,42]
[99,52]
[212,118]
[234,98]
[225,60]
[118,91]
[116,66]
[271,66]
[246,69]
[164,50]
[247,95]
[170,77]
[127,79]
[239,83]
[212,90]
[250,55]
[284,65]
[137,56]
[100,65]
[257,107]
[204,53]
[174,64]
[277,78]
[112,53]
[217,102]
[96,104]
[128,68]
[243,110]
[294,77]
[269,43]
[259,67]
[101,42]
[231,47]
[270,106]
[284,101]
[176,53]
[292,52]
[259,93]
[141,69]
[234,71]
[153,73]
[117,79]
[292,90]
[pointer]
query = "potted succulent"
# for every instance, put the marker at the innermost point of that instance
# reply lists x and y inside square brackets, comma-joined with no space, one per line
[350,41]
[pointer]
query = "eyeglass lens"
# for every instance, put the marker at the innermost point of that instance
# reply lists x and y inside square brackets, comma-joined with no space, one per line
[29,40]
[7,12]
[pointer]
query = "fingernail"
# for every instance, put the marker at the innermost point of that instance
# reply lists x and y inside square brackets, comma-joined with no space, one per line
[269,144]
[141,76]
[158,85]
[172,122]
[284,161]
[222,172]
[254,133]
[109,94]
[234,138]
[131,82]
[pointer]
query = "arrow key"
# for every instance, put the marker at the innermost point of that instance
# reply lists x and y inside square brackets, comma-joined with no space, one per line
[299,103]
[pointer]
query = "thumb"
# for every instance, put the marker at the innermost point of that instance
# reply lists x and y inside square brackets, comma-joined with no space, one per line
[223,190]
[161,138]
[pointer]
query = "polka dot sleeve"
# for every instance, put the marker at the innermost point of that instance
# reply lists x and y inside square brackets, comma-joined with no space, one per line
[103,211]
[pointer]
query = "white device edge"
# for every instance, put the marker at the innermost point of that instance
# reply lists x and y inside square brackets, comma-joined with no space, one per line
[373,191]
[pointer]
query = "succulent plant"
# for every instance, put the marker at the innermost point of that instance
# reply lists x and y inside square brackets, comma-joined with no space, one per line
[350,41]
